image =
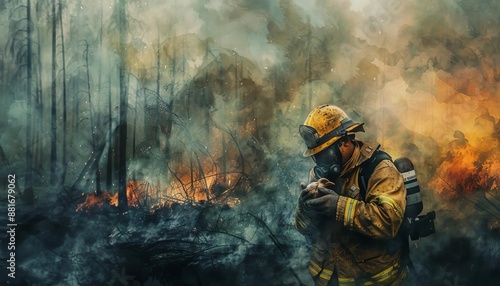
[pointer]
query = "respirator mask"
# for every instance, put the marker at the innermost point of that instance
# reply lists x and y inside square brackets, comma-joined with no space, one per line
[328,163]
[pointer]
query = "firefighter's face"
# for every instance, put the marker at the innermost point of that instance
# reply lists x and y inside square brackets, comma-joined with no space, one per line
[328,163]
[328,156]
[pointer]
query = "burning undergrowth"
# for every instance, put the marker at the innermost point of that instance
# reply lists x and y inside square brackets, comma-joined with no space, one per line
[464,192]
[198,230]
[251,241]
[143,194]
[235,227]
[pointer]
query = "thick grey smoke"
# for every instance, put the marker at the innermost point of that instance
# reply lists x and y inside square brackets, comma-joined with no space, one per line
[235,79]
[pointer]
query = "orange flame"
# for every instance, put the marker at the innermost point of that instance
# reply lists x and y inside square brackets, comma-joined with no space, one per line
[490,171]
[94,201]
[459,174]
[136,192]
[184,190]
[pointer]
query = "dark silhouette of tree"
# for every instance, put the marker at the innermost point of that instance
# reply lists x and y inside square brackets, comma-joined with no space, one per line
[64,98]
[92,122]
[158,90]
[28,186]
[54,181]
[309,47]
[222,92]
[122,133]
[171,99]
[134,136]
[110,141]
[98,173]
[39,120]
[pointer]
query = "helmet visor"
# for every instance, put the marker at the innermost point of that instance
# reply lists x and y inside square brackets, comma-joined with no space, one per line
[312,138]
[309,135]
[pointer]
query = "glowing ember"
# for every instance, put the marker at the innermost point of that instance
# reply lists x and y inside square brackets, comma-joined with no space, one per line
[94,201]
[136,193]
[490,171]
[183,190]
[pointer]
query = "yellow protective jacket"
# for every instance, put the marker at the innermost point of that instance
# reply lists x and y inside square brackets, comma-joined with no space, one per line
[356,245]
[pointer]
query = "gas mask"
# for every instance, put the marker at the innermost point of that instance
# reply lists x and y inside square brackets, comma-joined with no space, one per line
[328,163]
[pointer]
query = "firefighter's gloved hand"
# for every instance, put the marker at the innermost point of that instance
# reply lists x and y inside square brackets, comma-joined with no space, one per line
[305,195]
[305,218]
[326,204]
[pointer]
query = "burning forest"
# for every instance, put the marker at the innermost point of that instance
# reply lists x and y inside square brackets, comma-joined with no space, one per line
[156,142]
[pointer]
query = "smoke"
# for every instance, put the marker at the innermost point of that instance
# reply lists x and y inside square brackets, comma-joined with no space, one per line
[235,80]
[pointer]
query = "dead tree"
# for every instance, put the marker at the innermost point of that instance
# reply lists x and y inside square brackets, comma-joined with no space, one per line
[122,135]
[64,96]
[54,181]
[28,181]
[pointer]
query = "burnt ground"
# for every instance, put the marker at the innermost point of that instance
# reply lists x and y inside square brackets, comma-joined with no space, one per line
[216,244]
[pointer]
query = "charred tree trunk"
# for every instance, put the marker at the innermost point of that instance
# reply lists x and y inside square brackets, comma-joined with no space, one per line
[206,105]
[97,123]
[54,181]
[109,163]
[122,142]
[116,152]
[28,183]
[135,122]
[64,97]
[242,158]
[39,112]
[91,119]
[191,169]
[188,99]
[158,90]
[224,147]
[236,91]
[309,67]
[224,158]
[76,107]
[170,106]
[88,167]
[203,177]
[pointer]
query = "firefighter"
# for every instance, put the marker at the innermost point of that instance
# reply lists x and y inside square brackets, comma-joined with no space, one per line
[352,228]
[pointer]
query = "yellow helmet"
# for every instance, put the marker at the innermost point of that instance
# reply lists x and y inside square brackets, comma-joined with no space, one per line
[325,125]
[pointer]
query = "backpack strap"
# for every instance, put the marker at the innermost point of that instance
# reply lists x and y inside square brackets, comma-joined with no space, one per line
[367,168]
[400,241]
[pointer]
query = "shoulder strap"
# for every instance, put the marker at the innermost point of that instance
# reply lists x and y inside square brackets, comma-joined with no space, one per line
[367,169]
[400,241]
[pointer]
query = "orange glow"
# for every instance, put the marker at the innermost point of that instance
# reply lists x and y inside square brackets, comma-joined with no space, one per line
[459,101]
[209,188]
[490,171]
[184,190]
[135,191]
[458,174]
[94,201]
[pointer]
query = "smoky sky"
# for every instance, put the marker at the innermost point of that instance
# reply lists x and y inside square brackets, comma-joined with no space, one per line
[241,77]
[416,50]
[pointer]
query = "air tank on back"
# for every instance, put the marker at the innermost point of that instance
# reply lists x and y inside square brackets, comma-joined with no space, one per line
[414,204]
